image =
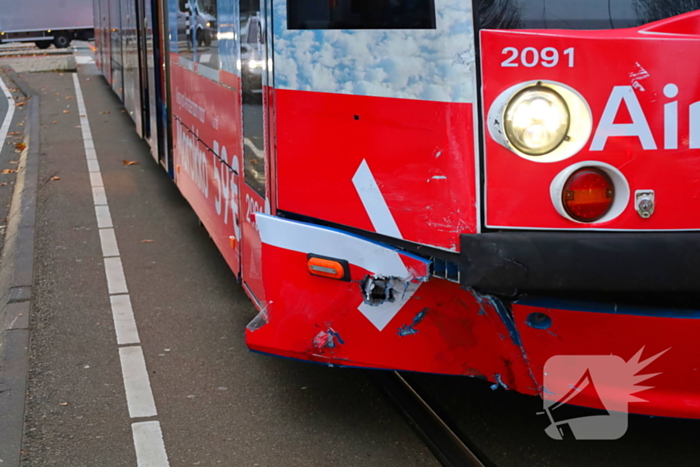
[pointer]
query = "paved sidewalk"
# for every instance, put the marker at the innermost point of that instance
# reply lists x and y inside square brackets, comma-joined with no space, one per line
[218,404]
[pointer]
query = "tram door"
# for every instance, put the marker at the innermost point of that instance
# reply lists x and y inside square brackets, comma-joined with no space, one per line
[147,24]
[254,54]
[115,39]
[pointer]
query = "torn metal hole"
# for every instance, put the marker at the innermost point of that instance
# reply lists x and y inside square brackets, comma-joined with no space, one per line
[378,289]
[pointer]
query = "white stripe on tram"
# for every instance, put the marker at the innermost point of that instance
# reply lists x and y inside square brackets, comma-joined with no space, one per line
[148,437]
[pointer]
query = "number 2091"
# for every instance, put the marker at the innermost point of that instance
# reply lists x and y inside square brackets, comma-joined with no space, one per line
[529,57]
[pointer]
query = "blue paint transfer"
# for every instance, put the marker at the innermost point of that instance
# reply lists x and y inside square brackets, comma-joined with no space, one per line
[409,329]
[506,318]
[499,382]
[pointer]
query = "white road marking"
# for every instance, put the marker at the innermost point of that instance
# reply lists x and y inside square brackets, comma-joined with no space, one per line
[99,196]
[96,179]
[374,203]
[116,282]
[10,112]
[148,438]
[139,396]
[109,243]
[93,165]
[124,323]
[104,219]
[148,441]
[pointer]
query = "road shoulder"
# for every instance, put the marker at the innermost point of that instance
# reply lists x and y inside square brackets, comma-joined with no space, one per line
[16,276]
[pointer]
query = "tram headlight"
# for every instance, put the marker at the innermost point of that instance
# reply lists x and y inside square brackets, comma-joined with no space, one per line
[536,120]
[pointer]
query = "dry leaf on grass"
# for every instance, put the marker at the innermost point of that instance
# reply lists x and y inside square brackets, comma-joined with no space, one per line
[54,178]
[8,171]
[66,111]
[146,241]
[130,162]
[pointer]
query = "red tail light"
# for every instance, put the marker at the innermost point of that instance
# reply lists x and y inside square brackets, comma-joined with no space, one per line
[588,194]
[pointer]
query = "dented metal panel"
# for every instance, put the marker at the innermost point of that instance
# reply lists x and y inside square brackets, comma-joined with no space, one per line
[423,325]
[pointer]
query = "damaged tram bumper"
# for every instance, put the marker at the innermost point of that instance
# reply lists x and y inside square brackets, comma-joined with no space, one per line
[387,312]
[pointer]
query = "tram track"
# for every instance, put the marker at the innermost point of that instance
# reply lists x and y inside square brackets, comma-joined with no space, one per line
[450,449]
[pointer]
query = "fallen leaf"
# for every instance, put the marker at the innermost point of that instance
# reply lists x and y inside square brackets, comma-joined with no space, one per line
[3,183]
[13,162]
[57,93]
[123,111]
[131,162]
[20,146]
[69,97]
[146,241]
[66,111]
[54,178]
[83,115]
[14,133]
[63,403]
[106,112]
[8,171]
[20,124]
[20,104]
[54,122]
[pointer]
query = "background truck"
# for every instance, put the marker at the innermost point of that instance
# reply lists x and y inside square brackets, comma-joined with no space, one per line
[44,22]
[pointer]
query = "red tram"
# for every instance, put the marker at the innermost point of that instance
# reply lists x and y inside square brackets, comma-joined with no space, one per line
[446,186]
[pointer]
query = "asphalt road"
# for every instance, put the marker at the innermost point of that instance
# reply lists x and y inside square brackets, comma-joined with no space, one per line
[218,403]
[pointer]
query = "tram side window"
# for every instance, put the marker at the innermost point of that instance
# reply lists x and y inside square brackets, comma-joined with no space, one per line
[197,31]
[360,14]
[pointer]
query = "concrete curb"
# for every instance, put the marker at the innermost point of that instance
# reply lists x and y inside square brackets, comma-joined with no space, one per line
[16,279]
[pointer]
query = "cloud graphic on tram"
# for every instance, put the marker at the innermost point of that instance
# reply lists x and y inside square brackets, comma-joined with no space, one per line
[427,64]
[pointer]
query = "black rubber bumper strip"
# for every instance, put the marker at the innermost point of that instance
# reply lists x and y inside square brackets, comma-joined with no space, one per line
[615,261]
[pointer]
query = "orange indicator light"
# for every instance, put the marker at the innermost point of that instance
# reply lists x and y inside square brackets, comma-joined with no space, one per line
[328,267]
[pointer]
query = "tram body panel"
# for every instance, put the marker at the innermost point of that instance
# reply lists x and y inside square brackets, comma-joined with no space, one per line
[388,112]
[344,145]
[634,334]
[206,155]
[645,123]
[375,129]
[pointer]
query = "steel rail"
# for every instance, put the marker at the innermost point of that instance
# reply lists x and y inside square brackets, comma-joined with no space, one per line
[448,448]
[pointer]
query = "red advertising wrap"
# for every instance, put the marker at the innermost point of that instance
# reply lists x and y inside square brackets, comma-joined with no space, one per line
[410,198]
[636,110]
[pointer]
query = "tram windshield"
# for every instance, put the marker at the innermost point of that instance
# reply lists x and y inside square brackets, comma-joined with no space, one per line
[577,14]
